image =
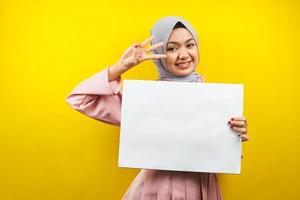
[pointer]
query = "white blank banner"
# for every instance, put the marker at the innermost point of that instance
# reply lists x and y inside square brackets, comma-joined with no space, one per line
[180,126]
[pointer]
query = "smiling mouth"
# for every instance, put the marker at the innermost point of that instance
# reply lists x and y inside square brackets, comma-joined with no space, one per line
[184,64]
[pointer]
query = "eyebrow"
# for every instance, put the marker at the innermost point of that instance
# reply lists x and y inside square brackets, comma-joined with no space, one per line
[178,43]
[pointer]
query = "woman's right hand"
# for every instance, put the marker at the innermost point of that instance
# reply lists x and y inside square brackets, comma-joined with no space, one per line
[136,54]
[133,56]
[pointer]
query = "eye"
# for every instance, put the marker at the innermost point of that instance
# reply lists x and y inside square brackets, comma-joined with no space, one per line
[191,45]
[171,49]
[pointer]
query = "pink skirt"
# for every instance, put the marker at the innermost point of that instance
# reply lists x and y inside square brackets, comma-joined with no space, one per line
[173,185]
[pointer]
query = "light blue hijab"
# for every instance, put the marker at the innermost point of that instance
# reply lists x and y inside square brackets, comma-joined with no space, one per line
[161,31]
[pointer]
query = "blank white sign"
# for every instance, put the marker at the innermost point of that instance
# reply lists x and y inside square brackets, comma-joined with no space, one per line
[180,126]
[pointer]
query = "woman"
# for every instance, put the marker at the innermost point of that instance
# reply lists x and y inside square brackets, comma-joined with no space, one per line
[176,55]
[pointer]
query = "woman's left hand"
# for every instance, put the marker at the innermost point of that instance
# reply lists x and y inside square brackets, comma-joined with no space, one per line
[239,125]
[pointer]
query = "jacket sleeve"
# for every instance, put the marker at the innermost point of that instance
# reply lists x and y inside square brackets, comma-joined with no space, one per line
[98,98]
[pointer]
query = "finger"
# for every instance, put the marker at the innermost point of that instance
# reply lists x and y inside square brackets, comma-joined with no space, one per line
[237,123]
[128,50]
[238,119]
[245,137]
[136,45]
[155,56]
[134,49]
[239,130]
[154,46]
[144,43]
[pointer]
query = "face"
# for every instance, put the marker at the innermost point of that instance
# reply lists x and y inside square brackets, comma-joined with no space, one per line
[182,53]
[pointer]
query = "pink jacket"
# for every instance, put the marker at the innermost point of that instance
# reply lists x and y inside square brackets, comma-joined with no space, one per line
[98,98]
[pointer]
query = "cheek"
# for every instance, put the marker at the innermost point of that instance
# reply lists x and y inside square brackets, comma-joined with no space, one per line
[170,59]
[195,55]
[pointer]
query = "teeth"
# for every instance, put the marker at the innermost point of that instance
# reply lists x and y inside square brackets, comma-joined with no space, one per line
[183,63]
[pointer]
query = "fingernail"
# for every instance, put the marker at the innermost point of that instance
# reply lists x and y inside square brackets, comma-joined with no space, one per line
[231,126]
[229,122]
[232,119]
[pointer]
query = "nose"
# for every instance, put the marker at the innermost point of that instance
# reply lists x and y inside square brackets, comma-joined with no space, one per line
[183,54]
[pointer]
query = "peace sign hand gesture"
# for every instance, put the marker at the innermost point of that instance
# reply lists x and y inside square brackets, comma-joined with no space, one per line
[136,54]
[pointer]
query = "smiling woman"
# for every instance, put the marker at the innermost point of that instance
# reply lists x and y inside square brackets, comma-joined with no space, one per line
[182,52]
[176,56]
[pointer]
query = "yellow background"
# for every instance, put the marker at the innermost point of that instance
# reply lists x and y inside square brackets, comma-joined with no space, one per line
[49,151]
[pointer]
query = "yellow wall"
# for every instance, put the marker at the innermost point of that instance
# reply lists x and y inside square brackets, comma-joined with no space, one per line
[49,151]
